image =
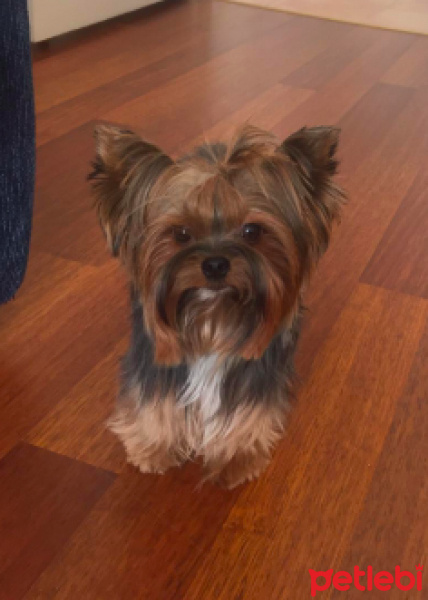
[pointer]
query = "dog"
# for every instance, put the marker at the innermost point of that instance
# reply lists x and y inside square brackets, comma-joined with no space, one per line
[219,247]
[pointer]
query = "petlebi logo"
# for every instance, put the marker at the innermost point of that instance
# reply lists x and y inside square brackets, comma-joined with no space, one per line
[366,580]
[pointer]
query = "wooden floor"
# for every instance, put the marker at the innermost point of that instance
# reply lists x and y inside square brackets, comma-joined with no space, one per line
[348,485]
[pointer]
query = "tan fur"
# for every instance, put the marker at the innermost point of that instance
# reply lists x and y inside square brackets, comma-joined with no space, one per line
[242,448]
[153,434]
[161,434]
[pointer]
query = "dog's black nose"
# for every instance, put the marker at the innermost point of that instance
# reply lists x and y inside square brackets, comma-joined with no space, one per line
[215,267]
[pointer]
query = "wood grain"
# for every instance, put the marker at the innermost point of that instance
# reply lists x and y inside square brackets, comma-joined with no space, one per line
[264,111]
[201,44]
[348,482]
[55,342]
[411,69]
[44,499]
[64,208]
[181,108]
[76,426]
[401,258]
[376,182]
[400,480]
[143,540]
[349,44]
[137,46]
[359,375]
[338,95]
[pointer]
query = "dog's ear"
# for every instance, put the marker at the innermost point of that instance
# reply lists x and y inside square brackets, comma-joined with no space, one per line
[314,148]
[312,151]
[124,171]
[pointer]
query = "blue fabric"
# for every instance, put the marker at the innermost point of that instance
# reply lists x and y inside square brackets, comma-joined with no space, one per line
[17,152]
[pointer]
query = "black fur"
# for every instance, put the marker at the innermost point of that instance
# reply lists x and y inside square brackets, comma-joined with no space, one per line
[267,379]
[138,366]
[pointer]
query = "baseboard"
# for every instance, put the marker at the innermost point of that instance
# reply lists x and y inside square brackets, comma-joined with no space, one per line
[50,18]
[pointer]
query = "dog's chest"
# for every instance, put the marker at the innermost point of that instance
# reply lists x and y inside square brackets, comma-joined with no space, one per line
[203,387]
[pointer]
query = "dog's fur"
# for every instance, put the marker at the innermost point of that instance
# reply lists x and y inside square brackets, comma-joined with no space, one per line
[210,364]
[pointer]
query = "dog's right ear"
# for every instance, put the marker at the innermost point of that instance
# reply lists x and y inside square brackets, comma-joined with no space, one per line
[124,172]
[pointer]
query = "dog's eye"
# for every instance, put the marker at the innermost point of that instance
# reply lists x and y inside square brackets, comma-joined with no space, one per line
[182,235]
[251,232]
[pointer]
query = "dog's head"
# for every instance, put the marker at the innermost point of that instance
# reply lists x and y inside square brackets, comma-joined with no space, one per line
[220,242]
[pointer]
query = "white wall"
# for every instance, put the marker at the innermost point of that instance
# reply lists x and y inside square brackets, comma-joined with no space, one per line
[53,17]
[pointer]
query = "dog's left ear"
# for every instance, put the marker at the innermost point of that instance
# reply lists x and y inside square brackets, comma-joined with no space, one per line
[314,149]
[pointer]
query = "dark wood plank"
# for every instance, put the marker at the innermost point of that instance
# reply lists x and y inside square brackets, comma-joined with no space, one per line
[144,540]
[65,222]
[43,499]
[400,261]
[76,426]
[50,346]
[302,512]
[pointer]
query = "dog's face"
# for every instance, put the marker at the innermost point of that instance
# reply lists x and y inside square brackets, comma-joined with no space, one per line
[220,242]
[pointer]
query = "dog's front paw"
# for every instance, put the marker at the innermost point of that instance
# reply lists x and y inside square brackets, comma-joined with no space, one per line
[156,460]
[241,468]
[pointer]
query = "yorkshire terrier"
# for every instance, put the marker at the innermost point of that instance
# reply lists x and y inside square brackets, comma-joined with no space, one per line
[219,246]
